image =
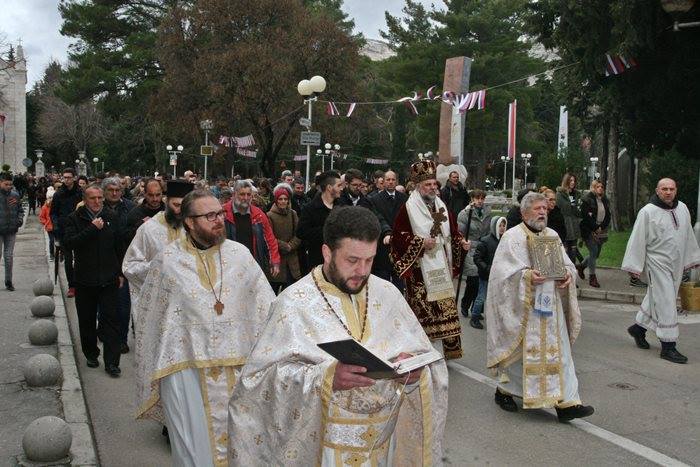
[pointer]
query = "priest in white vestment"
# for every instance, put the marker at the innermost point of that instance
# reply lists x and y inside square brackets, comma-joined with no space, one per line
[295,405]
[661,247]
[206,300]
[152,236]
[532,321]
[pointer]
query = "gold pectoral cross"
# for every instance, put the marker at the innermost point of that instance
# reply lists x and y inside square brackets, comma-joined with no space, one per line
[438,218]
[218,307]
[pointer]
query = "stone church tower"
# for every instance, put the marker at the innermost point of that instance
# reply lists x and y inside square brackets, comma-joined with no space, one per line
[13,107]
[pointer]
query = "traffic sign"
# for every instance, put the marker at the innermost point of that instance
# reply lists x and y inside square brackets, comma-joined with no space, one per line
[206,150]
[27,162]
[173,159]
[305,122]
[310,138]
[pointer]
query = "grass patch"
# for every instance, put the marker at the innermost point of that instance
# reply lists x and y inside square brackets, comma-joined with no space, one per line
[613,250]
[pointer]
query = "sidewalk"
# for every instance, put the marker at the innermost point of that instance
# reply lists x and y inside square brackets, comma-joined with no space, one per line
[20,404]
[614,287]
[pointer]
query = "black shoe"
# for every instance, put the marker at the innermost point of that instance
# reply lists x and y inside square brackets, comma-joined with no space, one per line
[465,313]
[639,338]
[113,370]
[577,411]
[480,317]
[93,362]
[9,286]
[634,282]
[124,348]
[475,323]
[673,355]
[505,401]
[580,269]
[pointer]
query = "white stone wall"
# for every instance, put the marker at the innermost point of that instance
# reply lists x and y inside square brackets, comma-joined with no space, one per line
[13,82]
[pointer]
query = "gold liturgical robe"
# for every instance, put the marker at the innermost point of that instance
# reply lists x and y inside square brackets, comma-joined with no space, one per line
[531,327]
[284,410]
[181,329]
[150,239]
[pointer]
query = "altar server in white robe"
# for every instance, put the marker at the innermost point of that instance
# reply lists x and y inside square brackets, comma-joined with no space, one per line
[207,300]
[152,236]
[295,405]
[661,247]
[532,321]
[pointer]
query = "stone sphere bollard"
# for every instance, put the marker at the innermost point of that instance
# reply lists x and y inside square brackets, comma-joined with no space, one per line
[42,306]
[42,370]
[42,287]
[47,439]
[43,332]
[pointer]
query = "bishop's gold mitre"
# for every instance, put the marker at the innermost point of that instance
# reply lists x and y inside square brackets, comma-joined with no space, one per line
[423,170]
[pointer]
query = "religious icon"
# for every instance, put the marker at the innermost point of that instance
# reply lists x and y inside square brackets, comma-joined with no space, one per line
[546,256]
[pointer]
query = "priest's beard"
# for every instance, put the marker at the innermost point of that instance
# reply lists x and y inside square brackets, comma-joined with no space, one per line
[336,278]
[208,238]
[537,224]
[172,219]
[429,199]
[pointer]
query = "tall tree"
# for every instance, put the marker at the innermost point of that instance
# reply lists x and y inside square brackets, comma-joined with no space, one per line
[249,56]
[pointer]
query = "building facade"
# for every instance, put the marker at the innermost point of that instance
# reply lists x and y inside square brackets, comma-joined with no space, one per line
[13,107]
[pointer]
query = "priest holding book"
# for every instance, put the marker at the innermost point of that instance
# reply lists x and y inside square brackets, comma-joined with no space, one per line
[295,404]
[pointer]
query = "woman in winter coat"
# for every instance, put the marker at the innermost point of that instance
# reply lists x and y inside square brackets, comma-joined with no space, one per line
[45,219]
[555,220]
[595,219]
[568,200]
[284,225]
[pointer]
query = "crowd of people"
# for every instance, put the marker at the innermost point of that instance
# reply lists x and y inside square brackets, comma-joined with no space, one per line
[230,285]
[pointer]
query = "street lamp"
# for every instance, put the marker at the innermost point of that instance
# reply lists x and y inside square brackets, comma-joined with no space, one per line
[594,161]
[207,126]
[309,89]
[319,153]
[526,158]
[173,156]
[504,159]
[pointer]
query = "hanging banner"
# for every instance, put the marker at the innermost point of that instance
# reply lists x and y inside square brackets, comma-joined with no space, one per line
[563,139]
[377,161]
[300,157]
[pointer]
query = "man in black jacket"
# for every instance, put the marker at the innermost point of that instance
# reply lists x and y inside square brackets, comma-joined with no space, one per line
[93,233]
[387,203]
[152,204]
[314,214]
[454,195]
[64,202]
[11,218]
[299,198]
[119,208]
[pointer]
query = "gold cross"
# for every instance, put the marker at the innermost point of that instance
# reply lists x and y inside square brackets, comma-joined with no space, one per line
[369,436]
[355,460]
[215,372]
[281,319]
[258,439]
[299,294]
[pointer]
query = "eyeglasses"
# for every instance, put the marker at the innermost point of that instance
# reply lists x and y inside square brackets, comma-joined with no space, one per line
[211,216]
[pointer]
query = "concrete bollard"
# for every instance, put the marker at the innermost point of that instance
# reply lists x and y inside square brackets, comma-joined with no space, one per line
[47,439]
[42,287]
[42,370]
[42,332]
[42,306]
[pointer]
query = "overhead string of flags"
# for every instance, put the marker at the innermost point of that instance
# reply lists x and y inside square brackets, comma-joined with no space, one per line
[614,65]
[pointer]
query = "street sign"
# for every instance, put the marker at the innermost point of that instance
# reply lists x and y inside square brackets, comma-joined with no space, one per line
[305,122]
[27,162]
[206,150]
[173,159]
[310,138]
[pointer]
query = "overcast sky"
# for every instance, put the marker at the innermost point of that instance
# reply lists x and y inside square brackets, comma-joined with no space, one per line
[37,23]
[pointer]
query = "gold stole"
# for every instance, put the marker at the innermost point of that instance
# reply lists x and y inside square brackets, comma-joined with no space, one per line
[543,378]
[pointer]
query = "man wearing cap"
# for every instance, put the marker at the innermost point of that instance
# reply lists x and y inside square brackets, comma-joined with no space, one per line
[426,248]
[154,235]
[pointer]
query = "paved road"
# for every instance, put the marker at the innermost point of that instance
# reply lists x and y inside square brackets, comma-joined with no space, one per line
[647,411]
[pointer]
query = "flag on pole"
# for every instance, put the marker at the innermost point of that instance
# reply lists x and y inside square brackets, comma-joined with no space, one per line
[351,109]
[512,120]
[563,139]
[331,109]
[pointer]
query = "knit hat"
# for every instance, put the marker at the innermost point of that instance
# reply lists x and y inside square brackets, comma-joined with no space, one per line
[282,189]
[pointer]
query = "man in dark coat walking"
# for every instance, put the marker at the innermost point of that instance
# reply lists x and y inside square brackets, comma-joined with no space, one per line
[11,218]
[93,233]
[64,203]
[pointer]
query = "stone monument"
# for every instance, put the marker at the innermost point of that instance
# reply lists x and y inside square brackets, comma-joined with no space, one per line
[452,122]
[13,109]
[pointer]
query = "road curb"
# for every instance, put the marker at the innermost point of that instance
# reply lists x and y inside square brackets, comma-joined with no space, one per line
[610,296]
[82,451]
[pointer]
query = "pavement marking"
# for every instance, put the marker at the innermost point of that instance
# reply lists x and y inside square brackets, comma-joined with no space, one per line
[620,441]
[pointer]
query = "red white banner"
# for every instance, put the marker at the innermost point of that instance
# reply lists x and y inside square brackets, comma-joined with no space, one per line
[331,109]
[351,109]
[616,64]
[512,123]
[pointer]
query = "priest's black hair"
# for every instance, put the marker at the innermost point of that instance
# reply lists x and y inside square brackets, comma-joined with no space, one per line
[354,222]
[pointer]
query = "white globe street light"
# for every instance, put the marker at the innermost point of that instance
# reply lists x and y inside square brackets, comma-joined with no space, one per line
[526,158]
[173,156]
[505,166]
[309,89]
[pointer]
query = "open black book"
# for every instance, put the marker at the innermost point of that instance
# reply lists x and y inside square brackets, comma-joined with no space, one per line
[351,352]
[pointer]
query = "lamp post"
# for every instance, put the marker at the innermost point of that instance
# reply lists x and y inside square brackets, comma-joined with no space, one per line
[319,153]
[335,153]
[594,161]
[173,156]
[310,89]
[207,126]
[95,160]
[526,159]
[504,159]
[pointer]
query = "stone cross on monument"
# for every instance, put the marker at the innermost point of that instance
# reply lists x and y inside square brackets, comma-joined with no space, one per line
[452,123]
